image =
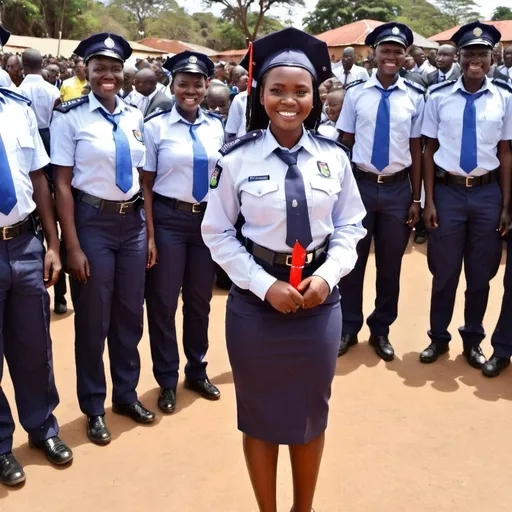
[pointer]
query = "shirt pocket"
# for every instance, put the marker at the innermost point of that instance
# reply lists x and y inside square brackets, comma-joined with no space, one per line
[261,202]
[490,126]
[324,193]
[25,151]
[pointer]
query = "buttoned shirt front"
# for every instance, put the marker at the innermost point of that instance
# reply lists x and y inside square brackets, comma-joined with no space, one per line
[444,116]
[83,139]
[43,97]
[170,151]
[25,153]
[359,116]
[140,101]
[252,182]
[355,73]
[236,117]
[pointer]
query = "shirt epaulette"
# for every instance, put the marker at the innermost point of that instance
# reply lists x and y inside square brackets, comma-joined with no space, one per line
[442,85]
[71,104]
[213,114]
[156,113]
[354,83]
[14,95]
[319,136]
[240,141]
[501,83]
[413,85]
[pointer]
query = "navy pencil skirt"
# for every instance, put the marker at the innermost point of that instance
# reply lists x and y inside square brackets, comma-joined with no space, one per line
[283,366]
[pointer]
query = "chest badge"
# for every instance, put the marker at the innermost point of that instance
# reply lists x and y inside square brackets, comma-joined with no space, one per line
[324,169]
[138,135]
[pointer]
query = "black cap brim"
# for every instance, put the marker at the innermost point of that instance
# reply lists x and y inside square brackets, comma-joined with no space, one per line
[478,42]
[392,39]
[190,68]
[105,53]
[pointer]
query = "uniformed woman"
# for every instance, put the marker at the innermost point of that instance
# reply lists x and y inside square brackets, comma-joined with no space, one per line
[97,150]
[295,189]
[182,150]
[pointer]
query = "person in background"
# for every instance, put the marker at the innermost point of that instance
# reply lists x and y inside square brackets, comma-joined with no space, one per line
[422,65]
[217,100]
[239,79]
[147,97]
[432,57]
[54,75]
[409,63]
[129,77]
[495,71]
[161,78]
[235,125]
[5,79]
[14,68]
[506,68]
[333,106]
[71,88]
[447,68]
[220,72]
[349,72]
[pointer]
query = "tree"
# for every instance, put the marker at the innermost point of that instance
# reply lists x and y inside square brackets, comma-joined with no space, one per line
[423,17]
[502,13]
[231,37]
[330,14]
[459,11]
[239,11]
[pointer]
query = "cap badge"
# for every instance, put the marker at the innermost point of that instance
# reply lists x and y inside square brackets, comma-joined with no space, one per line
[477,32]
[192,59]
[109,43]
[395,31]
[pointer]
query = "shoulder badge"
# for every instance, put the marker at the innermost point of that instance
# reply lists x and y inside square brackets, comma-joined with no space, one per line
[156,113]
[346,150]
[240,141]
[214,181]
[353,84]
[442,85]
[502,84]
[14,95]
[71,104]
[414,85]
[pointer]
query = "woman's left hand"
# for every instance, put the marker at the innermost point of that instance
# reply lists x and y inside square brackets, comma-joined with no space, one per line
[315,290]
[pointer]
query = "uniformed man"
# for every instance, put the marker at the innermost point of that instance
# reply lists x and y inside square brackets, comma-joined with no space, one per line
[235,125]
[381,122]
[26,270]
[468,125]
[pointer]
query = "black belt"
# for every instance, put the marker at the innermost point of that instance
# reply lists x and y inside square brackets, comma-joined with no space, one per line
[120,207]
[380,178]
[10,232]
[446,178]
[180,206]
[273,258]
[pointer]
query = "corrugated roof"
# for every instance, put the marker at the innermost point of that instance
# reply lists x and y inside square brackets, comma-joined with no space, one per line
[505,27]
[236,55]
[355,34]
[173,46]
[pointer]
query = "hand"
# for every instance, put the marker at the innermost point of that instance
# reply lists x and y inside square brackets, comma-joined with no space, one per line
[284,297]
[52,267]
[152,254]
[78,266]
[504,222]
[414,214]
[430,216]
[316,291]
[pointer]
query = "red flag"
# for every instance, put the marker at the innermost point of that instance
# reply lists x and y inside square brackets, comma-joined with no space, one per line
[298,262]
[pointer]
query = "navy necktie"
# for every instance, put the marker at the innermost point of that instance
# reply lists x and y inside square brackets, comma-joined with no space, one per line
[200,183]
[124,168]
[380,153]
[8,198]
[469,148]
[298,227]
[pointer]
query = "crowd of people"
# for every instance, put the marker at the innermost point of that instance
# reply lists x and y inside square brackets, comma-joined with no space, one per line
[277,174]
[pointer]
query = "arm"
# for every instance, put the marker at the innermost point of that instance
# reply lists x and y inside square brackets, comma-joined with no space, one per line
[347,139]
[148,180]
[346,124]
[414,209]
[430,213]
[505,157]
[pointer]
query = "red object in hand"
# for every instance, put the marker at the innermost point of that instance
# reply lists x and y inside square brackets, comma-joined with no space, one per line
[298,262]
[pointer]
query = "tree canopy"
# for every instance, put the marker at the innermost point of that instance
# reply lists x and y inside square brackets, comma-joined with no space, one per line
[502,13]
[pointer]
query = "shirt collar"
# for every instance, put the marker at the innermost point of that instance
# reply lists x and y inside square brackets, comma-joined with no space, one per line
[94,104]
[270,143]
[488,86]
[33,78]
[176,117]
[374,82]
[152,95]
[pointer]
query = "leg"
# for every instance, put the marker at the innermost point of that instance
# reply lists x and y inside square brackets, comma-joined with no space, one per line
[163,284]
[127,313]
[306,459]
[261,460]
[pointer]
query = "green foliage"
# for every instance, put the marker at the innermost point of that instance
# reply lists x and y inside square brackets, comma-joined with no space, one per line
[459,12]
[423,17]
[502,13]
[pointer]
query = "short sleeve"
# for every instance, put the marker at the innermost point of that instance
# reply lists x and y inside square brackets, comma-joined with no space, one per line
[39,156]
[347,120]
[151,149]
[506,133]
[62,133]
[417,119]
[430,125]
[234,116]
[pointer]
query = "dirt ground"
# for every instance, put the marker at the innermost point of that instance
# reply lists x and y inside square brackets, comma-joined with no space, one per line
[402,436]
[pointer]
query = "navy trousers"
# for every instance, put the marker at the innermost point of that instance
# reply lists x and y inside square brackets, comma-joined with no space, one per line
[184,262]
[387,207]
[502,337]
[109,305]
[468,219]
[25,340]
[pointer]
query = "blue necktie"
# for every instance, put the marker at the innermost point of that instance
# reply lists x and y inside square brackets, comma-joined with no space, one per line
[7,191]
[298,227]
[200,183]
[380,153]
[469,149]
[124,168]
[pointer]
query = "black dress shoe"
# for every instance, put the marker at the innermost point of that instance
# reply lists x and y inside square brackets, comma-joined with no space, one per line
[420,238]
[136,411]
[475,357]
[55,449]
[97,430]
[167,400]
[433,351]
[383,347]
[347,341]
[495,365]
[204,387]
[11,473]
[60,308]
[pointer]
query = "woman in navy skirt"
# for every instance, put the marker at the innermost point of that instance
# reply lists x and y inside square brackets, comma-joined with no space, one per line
[296,193]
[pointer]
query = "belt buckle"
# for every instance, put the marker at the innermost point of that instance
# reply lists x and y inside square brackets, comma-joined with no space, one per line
[309,259]
[123,207]
[4,234]
[380,178]
[468,181]
[196,208]
[288,260]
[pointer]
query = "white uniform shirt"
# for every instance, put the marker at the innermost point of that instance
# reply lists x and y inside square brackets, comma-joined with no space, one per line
[140,101]
[328,129]
[424,69]
[252,182]
[43,97]
[444,114]
[236,117]
[446,76]
[83,139]
[25,153]
[359,116]
[5,79]
[170,152]
[355,73]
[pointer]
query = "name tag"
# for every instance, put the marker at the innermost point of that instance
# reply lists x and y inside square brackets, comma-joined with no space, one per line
[259,178]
